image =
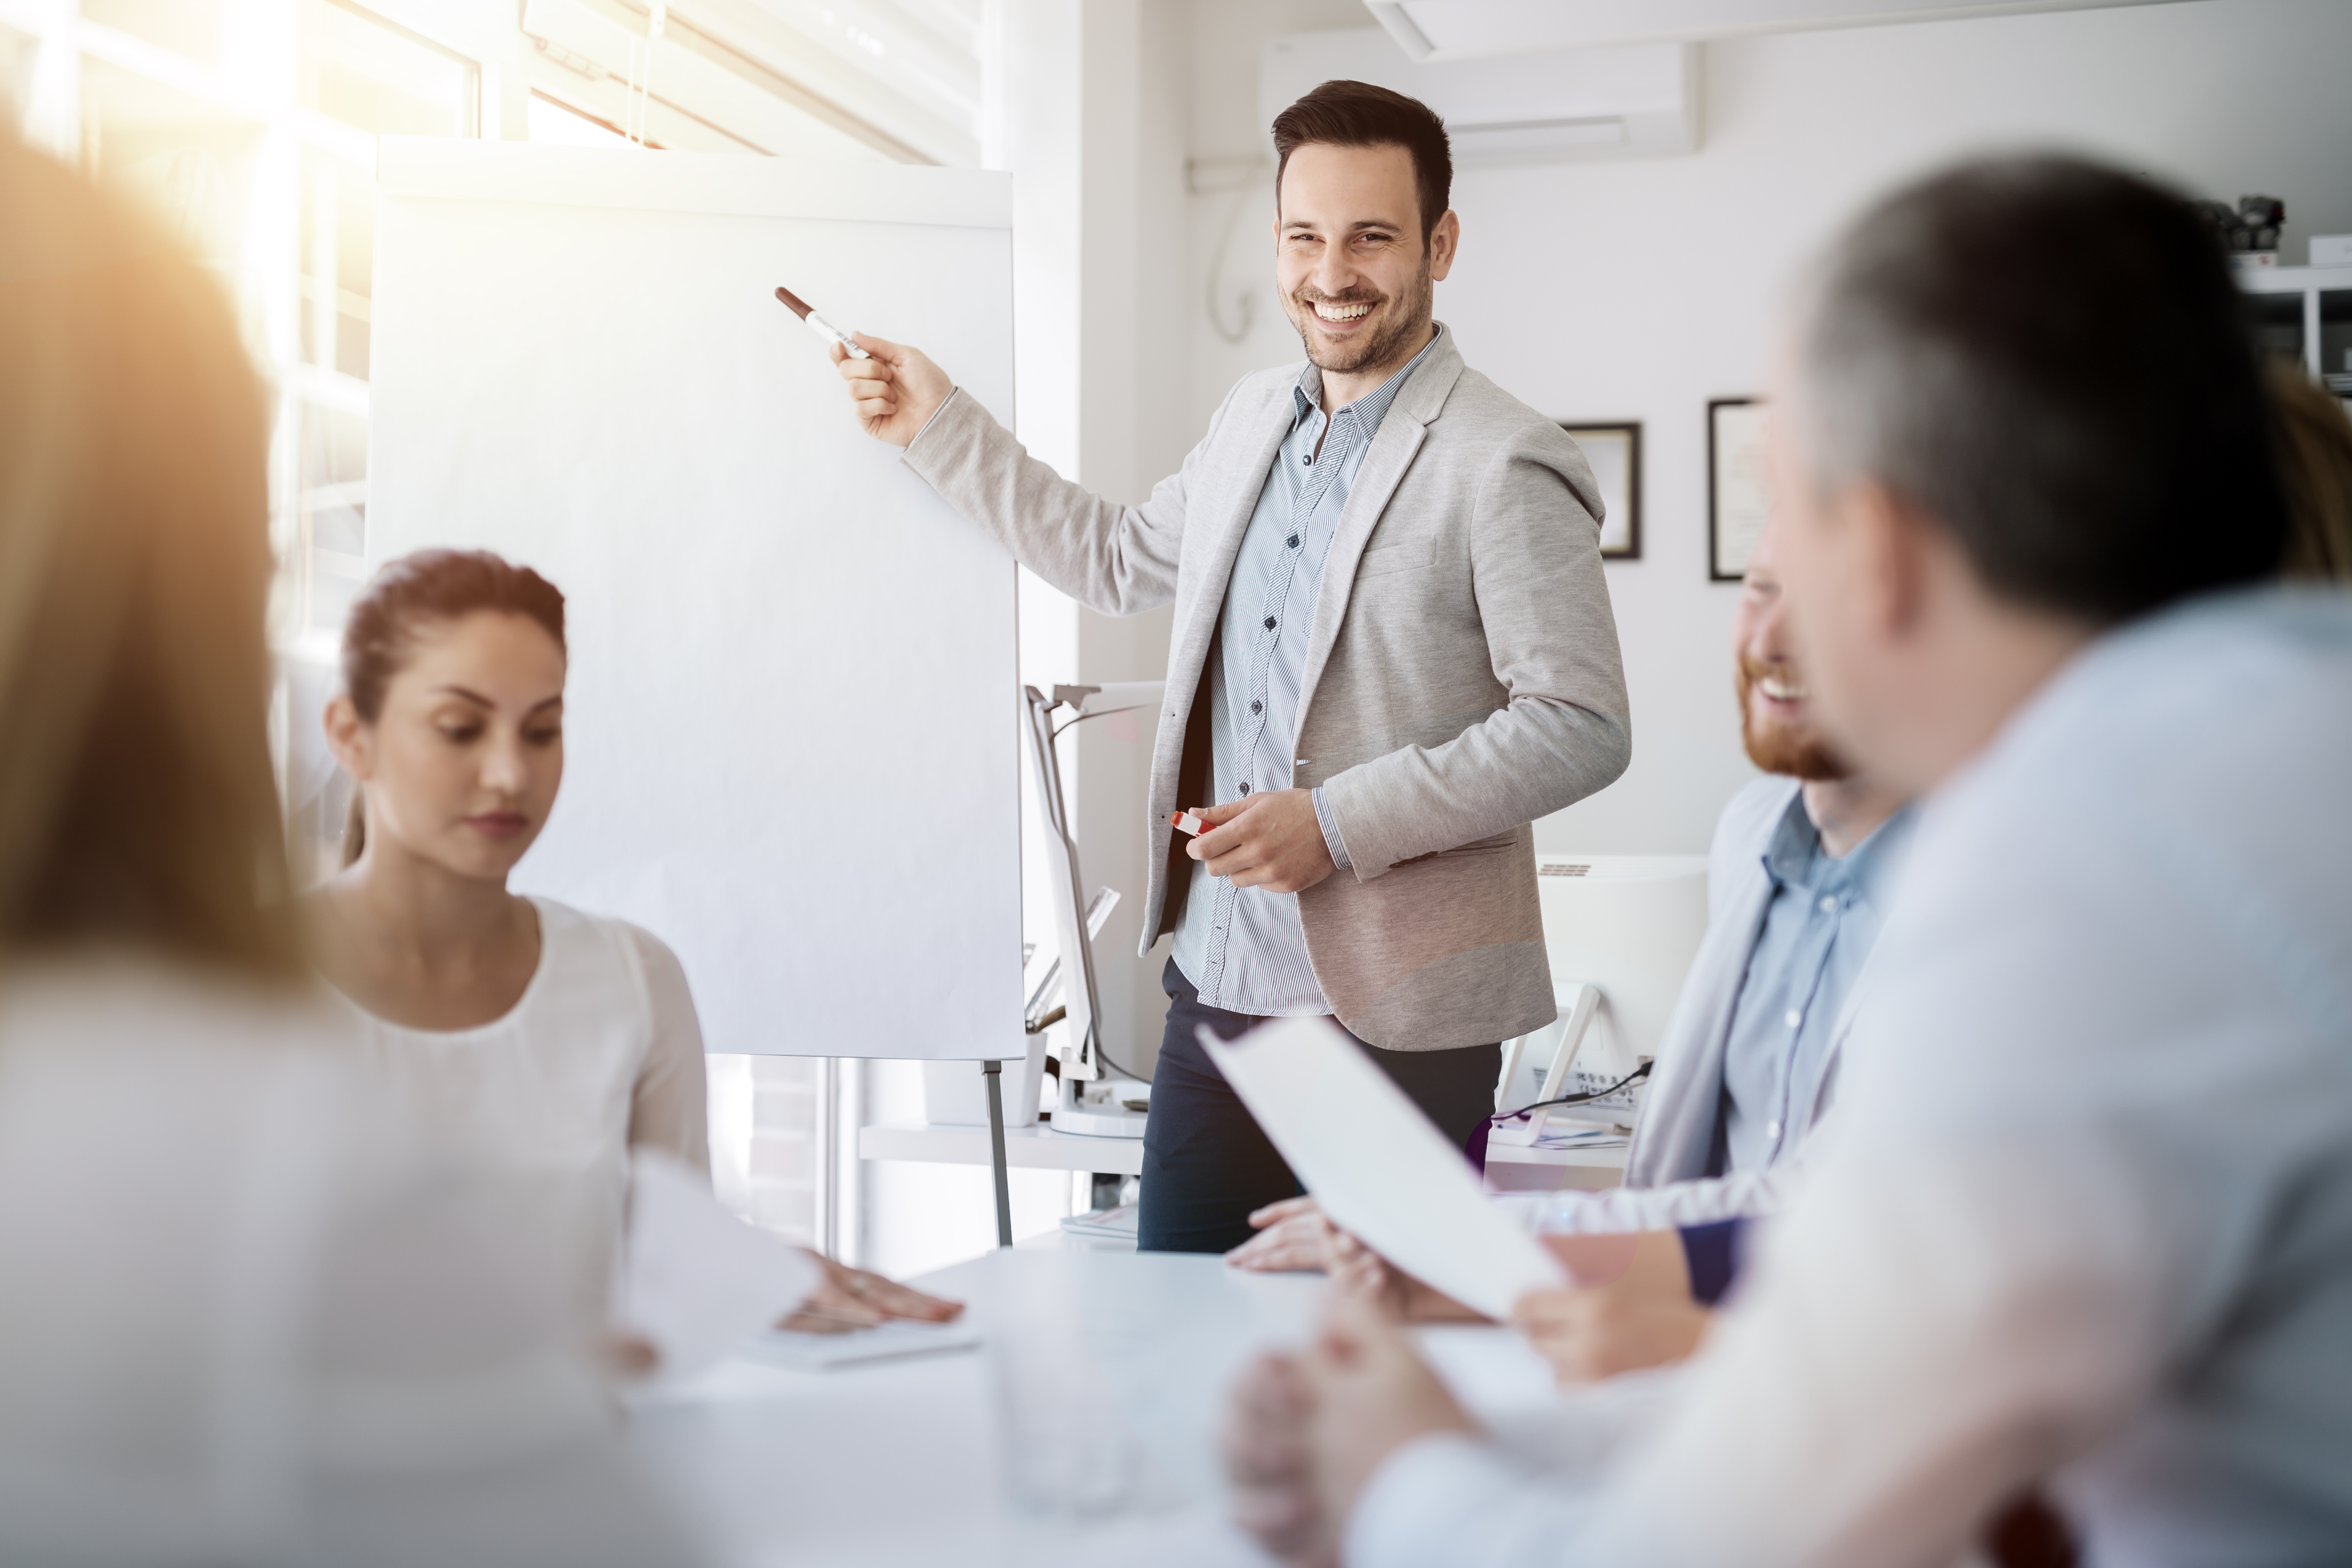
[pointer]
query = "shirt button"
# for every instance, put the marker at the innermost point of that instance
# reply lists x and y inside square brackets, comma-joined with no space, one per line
[1245,791]
[1828,906]
[1291,543]
[1269,622]
[1794,1018]
[1772,1129]
[1257,707]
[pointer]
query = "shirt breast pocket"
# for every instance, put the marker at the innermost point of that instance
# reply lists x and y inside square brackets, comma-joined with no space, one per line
[1395,558]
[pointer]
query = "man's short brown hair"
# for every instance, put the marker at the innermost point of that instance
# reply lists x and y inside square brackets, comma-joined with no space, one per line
[1358,114]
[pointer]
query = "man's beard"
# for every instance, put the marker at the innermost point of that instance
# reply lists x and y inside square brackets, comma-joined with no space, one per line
[1802,755]
[1389,346]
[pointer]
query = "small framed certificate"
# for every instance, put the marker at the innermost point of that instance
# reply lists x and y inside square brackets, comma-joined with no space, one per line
[1737,503]
[1615,453]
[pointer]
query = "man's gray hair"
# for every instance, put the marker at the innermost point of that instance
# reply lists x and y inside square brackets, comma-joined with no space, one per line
[2049,358]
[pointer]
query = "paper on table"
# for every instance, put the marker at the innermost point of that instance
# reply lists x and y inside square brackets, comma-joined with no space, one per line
[1376,1164]
[697,1281]
[893,1341]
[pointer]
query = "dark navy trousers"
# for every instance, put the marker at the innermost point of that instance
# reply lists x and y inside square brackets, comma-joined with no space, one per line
[1205,1163]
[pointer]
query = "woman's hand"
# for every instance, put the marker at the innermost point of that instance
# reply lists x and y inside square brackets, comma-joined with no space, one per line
[848,1298]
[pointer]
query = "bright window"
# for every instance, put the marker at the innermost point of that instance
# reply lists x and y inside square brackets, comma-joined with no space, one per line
[250,127]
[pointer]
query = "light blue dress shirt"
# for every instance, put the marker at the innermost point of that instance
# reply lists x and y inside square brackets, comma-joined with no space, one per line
[2088,1204]
[1818,932]
[1243,947]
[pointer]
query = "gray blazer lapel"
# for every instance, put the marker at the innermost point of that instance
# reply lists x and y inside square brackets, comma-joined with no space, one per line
[1677,1133]
[1680,1111]
[1393,449]
[1223,519]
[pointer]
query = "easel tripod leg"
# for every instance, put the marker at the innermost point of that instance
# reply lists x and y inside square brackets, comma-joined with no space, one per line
[994,1069]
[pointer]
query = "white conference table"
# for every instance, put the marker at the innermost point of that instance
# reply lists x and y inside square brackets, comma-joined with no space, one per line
[899,1463]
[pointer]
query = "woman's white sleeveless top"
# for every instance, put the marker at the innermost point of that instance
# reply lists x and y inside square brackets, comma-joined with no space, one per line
[601,1051]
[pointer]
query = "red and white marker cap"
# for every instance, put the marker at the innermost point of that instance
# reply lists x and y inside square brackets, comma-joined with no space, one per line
[1185,821]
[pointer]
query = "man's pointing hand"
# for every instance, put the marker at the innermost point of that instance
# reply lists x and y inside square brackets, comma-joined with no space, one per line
[895,393]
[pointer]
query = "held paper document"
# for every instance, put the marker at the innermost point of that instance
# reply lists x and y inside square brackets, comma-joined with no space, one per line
[695,1280]
[1376,1166]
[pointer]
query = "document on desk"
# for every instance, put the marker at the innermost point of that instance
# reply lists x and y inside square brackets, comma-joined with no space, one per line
[1376,1164]
[696,1281]
[894,1340]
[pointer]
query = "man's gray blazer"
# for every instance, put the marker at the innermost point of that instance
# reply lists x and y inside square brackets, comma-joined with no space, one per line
[1462,679]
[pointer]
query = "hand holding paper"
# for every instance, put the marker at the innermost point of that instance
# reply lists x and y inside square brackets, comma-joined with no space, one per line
[1377,1166]
[697,1282]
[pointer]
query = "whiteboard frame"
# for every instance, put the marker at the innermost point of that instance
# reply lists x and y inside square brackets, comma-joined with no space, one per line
[445,169]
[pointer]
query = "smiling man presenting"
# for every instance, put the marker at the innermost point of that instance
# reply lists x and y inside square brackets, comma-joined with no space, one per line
[1392,651]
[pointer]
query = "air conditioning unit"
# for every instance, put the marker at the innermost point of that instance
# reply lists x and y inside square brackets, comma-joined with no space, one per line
[1530,108]
[1470,29]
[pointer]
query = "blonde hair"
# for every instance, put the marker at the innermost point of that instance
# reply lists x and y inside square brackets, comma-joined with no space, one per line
[137,805]
[2314,448]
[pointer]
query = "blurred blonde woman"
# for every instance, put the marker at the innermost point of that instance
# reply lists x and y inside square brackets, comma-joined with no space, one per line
[243,1314]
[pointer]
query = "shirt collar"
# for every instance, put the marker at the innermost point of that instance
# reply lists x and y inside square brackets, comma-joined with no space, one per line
[1795,856]
[1373,407]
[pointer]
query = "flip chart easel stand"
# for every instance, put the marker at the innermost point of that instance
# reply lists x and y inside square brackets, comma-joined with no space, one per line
[994,1070]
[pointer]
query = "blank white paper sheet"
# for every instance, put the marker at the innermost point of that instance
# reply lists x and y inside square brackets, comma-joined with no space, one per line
[792,709]
[1376,1166]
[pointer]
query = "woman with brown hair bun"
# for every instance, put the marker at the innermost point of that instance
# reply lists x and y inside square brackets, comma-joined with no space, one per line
[565,1041]
[246,1314]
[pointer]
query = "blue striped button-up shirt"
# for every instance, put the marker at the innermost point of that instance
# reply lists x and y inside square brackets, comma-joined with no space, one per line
[1818,932]
[1242,947]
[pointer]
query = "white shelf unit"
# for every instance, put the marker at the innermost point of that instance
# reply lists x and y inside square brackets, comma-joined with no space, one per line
[1025,1148]
[2304,312]
[1512,1168]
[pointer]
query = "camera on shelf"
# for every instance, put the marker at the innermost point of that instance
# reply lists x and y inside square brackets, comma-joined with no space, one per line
[2254,224]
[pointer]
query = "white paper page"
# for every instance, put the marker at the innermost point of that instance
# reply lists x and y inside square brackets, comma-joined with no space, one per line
[894,1340]
[793,711]
[1376,1166]
[697,1281]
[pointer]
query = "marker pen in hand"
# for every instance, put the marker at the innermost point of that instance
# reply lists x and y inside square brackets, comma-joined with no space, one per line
[819,325]
[1184,822]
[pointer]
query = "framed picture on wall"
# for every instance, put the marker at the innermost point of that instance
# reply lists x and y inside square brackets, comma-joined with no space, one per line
[1735,501]
[1615,453]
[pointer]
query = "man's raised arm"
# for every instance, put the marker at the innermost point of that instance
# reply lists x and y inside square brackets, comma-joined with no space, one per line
[1115,559]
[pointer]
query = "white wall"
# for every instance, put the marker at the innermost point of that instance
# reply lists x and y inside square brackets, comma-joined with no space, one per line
[1136,423]
[1640,289]
[1092,126]
[1595,290]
